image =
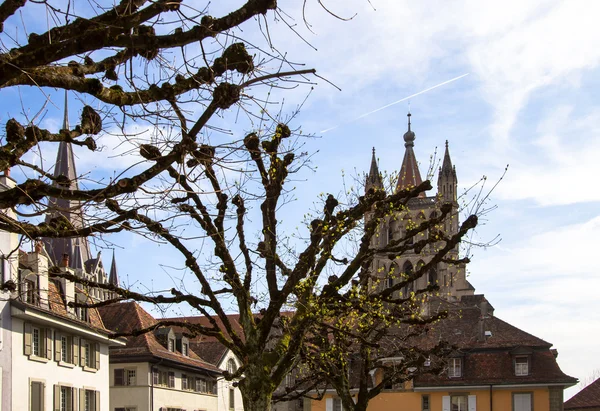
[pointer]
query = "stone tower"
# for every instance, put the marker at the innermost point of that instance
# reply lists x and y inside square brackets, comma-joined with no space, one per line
[450,278]
[74,252]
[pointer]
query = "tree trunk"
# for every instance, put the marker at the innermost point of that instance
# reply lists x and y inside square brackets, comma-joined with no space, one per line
[257,402]
[256,388]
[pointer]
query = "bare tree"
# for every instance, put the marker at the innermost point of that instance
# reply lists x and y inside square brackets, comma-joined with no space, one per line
[214,188]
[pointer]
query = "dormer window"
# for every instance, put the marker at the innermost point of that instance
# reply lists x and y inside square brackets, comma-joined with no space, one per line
[171,344]
[455,367]
[521,365]
[184,349]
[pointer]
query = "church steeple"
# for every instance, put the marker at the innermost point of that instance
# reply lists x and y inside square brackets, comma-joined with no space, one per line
[409,172]
[374,179]
[114,275]
[447,181]
[65,175]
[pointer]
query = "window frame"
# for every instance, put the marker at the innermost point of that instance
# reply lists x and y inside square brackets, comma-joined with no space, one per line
[425,402]
[232,399]
[455,367]
[125,376]
[521,368]
[528,393]
[171,379]
[464,397]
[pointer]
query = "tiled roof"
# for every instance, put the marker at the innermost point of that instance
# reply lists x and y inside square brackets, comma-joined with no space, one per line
[210,351]
[57,307]
[589,397]
[488,359]
[130,316]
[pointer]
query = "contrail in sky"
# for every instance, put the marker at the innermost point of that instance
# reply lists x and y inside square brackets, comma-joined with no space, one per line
[396,102]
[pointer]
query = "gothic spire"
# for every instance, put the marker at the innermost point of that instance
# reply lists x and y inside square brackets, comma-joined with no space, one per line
[447,181]
[65,175]
[374,177]
[409,172]
[447,163]
[114,275]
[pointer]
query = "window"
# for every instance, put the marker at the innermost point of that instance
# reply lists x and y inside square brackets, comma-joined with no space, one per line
[333,404]
[455,367]
[36,396]
[184,349]
[90,399]
[231,366]
[87,354]
[171,379]
[184,382]
[521,366]
[66,349]
[29,292]
[522,401]
[124,376]
[425,403]
[63,398]
[155,377]
[458,403]
[200,385]
[36,341]
[130,377]
[81,312]
[231,399]
[211,387]
[90,355]
[171,345]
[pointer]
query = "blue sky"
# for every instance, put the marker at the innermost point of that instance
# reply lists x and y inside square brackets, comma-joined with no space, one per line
[529,100]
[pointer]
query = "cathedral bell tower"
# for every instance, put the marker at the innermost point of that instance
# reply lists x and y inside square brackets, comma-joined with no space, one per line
[450,278]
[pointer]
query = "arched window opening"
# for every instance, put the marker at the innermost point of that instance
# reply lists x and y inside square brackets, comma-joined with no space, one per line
[432,276]
[231,366]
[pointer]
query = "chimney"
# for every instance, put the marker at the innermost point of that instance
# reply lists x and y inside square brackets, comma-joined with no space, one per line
[483,308]
[65,261]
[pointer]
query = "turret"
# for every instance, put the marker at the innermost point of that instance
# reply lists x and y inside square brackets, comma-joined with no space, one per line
[374,179]
[447,181]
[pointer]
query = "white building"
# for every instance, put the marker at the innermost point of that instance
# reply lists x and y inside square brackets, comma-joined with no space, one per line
[53,357]
[162,370]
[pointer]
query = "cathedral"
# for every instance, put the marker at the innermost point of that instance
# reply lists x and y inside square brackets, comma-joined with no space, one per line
[74,253]
[451,278]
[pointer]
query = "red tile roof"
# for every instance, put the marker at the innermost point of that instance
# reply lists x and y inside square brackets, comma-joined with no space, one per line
[589,397]
[130,316]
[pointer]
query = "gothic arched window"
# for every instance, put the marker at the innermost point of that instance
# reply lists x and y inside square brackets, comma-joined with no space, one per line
[407,271]
[432,276]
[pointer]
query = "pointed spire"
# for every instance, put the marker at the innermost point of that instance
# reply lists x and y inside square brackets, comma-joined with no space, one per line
[447,181]
[114,275]
[374,179]
[409,172]
[447,163]
[66,115]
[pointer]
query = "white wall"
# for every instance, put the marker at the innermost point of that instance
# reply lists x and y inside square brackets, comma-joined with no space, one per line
[52,373]
[139,395]
[223,387]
